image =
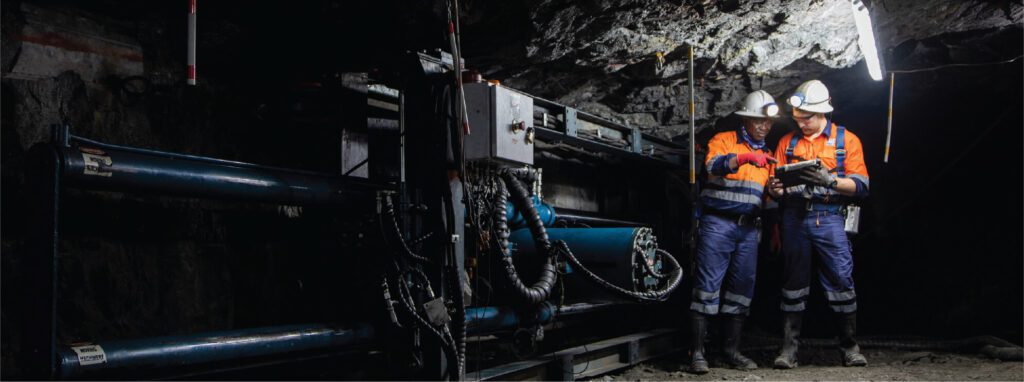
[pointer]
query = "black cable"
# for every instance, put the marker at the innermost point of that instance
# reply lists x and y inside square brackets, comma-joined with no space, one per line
[454,132]
[407,302]
[459,321]
[423,278]
[420,239]
[388,303]
[403,248]
[411,311]
[954,65]
[656,295]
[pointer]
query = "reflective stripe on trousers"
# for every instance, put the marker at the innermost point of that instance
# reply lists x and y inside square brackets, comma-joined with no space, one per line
[804,233]
[725,249]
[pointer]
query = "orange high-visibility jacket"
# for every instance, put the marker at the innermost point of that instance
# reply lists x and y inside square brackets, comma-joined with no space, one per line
[737,191]
[824,147]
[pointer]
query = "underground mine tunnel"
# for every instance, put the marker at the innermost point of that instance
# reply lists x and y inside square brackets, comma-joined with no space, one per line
[508,190]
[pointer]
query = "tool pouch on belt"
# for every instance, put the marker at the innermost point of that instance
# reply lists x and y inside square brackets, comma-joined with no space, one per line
[757,225]
[852,219]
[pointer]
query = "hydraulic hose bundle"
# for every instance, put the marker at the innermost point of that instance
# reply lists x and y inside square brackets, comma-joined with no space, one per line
[408,306]
[521,200]
[395,279]
[541,290]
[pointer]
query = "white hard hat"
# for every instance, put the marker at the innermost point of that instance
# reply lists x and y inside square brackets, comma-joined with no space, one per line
[811,96]
[759,104]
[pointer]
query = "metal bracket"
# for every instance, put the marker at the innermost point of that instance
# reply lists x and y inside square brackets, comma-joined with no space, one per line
[637,140]
[571,123]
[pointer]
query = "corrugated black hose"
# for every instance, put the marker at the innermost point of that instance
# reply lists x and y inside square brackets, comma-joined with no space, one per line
[405,297]
[394,232]
[459,319]
[540,290]
[445,338]
[525,175]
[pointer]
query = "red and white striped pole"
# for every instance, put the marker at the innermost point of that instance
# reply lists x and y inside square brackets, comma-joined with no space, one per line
[191,42]
[462,115]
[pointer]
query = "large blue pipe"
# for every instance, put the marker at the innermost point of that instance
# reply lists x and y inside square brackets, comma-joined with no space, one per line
[549,217]
[193,349]
[96,165]
[207,347]
[611,253]
[494,319]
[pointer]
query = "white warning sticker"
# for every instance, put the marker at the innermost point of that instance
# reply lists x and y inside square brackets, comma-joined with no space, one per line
[90,354]
[95,164]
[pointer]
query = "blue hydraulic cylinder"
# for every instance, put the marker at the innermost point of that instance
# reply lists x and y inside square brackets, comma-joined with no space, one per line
[516,219]
[100,166]
[484,320]
[611,253]
[178,351]
[182,351]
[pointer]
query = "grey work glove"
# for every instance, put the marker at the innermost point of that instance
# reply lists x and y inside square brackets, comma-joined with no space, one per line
[818,176]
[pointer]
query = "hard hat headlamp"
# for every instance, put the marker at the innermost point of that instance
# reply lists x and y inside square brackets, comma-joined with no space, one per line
[796,100]
[799,99]
[771,109]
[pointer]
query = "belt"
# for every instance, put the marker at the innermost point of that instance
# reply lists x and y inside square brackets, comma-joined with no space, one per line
[808,205]
[739,219]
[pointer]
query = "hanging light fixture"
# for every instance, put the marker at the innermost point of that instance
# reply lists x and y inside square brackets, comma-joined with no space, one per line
[866,39]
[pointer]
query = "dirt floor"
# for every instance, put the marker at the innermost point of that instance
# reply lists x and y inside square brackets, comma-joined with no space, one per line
[823,364]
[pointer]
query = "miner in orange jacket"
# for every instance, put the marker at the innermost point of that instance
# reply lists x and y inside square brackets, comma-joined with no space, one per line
[737,164]
[813,218]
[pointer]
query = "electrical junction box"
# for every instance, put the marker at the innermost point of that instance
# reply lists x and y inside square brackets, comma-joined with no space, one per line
[501,124]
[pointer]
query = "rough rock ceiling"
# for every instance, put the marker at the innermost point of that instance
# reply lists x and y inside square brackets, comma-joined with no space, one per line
[601,55]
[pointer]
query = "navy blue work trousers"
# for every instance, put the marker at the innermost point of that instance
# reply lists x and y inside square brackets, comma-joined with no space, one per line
[725,249]
[806,232]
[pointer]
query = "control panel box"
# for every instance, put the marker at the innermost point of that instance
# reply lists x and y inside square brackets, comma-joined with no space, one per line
[501,123]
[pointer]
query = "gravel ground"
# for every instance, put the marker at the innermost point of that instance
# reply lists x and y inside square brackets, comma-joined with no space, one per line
[822,364]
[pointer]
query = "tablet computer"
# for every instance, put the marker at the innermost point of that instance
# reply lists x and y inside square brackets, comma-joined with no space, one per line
[790,174]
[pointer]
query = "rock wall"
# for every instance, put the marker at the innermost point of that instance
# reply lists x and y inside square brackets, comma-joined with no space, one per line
[602,56]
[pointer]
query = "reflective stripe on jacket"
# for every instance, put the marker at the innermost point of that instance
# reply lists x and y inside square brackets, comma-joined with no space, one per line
[737,191]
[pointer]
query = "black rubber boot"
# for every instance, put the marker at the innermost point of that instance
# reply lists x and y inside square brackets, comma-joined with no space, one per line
[698,332]
[733,327]
[847,330]
[792,322]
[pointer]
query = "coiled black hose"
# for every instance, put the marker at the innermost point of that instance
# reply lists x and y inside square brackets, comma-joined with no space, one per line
[676,276]
[540,290]
[522,202]
[524,175]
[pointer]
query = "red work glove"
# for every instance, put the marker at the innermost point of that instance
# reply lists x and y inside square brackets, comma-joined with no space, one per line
[756,158]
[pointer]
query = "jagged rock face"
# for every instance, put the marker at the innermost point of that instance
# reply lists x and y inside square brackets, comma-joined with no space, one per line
[601,56]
